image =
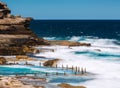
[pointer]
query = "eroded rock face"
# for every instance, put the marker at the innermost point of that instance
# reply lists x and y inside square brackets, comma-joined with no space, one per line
[4,11]
[10,24]
[15,33]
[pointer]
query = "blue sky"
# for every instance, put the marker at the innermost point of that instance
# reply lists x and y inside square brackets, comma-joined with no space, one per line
[66,9]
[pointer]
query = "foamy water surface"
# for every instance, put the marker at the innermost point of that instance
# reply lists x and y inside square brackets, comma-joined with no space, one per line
[101,59]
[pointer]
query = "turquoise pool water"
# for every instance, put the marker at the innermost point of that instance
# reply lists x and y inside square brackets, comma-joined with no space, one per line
[37,71]
[22,70]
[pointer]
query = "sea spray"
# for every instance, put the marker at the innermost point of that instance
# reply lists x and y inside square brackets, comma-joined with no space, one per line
[106,71]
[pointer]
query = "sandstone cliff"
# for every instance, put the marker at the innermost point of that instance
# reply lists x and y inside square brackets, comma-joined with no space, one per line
[15,33]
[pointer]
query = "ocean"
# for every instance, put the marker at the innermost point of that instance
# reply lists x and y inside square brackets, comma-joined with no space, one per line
[67,28]
[101,59]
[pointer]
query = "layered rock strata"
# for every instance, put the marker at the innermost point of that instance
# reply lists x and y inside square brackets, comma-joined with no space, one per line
[15,33]
[16,38]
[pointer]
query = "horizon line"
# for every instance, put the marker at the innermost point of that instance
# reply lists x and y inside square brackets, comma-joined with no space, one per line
[76,19]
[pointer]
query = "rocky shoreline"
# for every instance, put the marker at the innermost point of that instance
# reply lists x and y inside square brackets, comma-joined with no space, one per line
[17,39]
[15,33]
[19,82]
[14,82]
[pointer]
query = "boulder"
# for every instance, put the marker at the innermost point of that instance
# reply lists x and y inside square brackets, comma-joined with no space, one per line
[2,61]
[51,63]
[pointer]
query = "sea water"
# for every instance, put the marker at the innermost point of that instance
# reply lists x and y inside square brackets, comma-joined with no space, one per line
[102,59]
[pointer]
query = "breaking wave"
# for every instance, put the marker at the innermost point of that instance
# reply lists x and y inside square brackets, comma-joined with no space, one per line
[102,59]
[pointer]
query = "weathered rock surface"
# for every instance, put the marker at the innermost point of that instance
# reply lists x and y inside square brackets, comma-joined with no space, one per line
[11,82]
[69,43]
[24,57]
[2,61]
[51,63]
[15,33]
[70,86]
[4,11]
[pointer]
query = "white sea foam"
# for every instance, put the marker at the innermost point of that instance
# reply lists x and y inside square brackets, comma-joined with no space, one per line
[75,38]
[43,69]
[95,41]
[14,66]
[49,38]
[107,71]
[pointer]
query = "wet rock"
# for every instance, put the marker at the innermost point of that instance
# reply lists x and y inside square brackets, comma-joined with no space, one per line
[2,61]
[28,49]
[11,51]
[69,43]
[70,86]
[24,57]
[51,63]
[36,41]
[98,50]
[21,57]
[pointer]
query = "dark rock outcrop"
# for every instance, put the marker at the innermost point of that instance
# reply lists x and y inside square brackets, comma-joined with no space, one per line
[15,33]
[4,11]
